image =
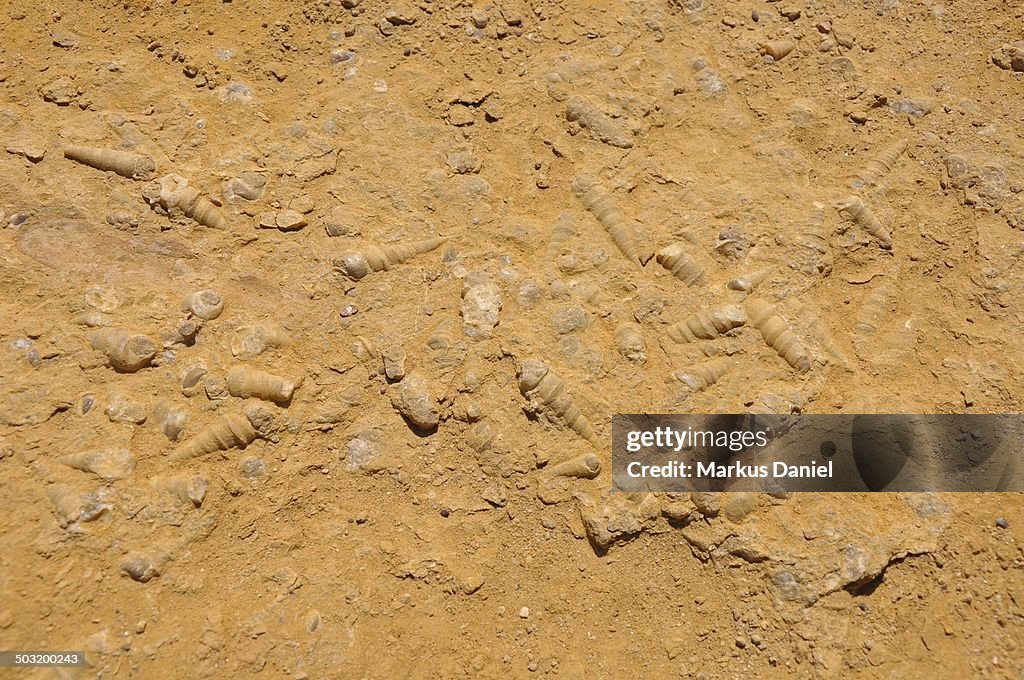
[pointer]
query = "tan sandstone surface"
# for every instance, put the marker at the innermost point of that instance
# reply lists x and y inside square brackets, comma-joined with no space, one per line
[303,304]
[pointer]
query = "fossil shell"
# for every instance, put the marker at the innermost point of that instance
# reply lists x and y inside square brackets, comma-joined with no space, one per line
[130,165]
[126,352]
[205,304]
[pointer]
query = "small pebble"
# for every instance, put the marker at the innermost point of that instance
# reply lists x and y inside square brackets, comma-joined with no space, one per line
[290,220]
[17,219]
[268,220]
[524,613]
[252,467]
[139,567]
[445,512]
[414,398]
[394,362]
[1002,523]
[348,310]
[342,57]
[303,204]
[85,404]
[64,39]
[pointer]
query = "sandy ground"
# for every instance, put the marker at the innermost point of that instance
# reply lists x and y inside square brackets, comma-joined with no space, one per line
[442,243]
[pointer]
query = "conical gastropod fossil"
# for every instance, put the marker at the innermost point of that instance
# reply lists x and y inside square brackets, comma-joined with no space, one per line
[109,464]
[173,192]
[747,283]
[675,259]
[250,341]
[538,381]
[602,126]
[630,341]
[875,308]
[701,376]
[816,257]
[777,49]
[126,352]
[599,202]
[124,163]
[584,466]
[249,382]
[186,488]
[563,229]
[853,208]
[872,173]
[821,334]
[205,304]
[356,265]
[72,506]
[708,324]
[777,334]
[227,432]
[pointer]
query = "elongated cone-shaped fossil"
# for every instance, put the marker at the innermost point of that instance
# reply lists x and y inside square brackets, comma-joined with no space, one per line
[812,235]
[601,125]
[875,308]
[821,334]
[249,341]
[127,164]
[563,229]
[872,173]
[172,191]
[186,488]
[600,203]
[708,324]
[247,382]
[703,375]
[72,505]
[126,352]
[537,380]
[206,304]
[747,283]
[109,464]
[675,259]
[777,49]
[584,466]
[629,338]
[356,265]
[227,432]
[777,334]
[856,210]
